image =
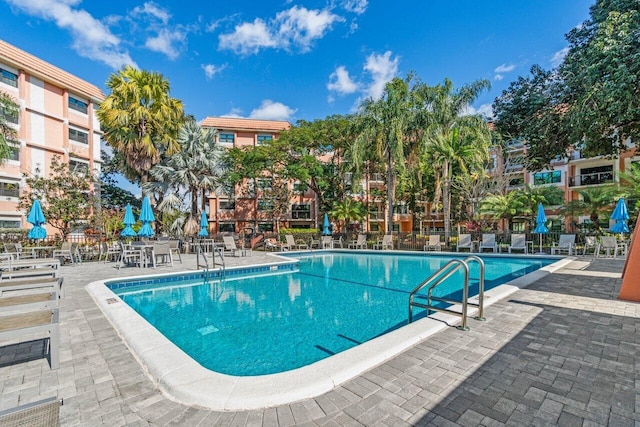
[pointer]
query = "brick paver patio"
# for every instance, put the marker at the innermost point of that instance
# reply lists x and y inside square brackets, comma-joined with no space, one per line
[564,351]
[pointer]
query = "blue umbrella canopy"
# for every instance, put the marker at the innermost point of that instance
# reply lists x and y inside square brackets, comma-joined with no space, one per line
[326,225]
[204,225]
[128,232]
[36,217]
[621,215]
[541,219]
[129,219]
[146,213]
[146,216]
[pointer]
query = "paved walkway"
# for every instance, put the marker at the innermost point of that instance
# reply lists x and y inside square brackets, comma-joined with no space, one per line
[563,351]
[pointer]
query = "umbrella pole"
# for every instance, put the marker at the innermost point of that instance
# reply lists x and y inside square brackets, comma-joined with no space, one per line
[540,243]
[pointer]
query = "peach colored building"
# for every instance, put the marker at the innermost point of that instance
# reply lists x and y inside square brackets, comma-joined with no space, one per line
[57,117]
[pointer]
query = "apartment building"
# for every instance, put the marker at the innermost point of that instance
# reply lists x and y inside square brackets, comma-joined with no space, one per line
[56,118]
[252,204]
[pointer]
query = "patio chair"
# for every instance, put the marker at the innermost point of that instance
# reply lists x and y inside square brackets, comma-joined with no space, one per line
[174,247]
[590,242]
[15,327]
[488,242]
[162,250]
[130,254]
[359,243]
[611,246]
[327,242]
[291,243]
[313,243]
[433,243]
[565,244]
[10,249]
[229,246]
[464,242]
[65,252]
[272,244]
[518,243]
[338,242]
[386,243]
[24,253]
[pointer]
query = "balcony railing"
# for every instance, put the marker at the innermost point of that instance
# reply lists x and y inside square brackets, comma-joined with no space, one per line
[376,177]
[376,216]
[592,179]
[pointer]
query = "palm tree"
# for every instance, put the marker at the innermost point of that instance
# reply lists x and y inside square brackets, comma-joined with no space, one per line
[384,126]
[347,210]
[140,119]
[9,111]
[197,167]
[503,206]
[532,196]
[595,201]
[453,141]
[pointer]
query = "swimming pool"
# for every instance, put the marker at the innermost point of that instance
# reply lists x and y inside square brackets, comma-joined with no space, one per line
[267,322]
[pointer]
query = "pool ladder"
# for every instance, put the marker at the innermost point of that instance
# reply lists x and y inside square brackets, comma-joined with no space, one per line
[200,253]
[439,277]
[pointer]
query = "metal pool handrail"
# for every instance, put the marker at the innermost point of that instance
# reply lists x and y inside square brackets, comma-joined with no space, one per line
[434,280]
[215,250]
[480,303]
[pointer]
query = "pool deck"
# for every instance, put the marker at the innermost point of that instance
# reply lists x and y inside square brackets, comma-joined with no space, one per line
[563,351]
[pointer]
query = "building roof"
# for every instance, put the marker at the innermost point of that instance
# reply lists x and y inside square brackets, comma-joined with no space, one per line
[235,123]
[32,65]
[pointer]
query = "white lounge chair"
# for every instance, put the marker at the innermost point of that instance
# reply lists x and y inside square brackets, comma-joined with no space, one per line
[488,242]
[565,244]
[590,242]
[230,245]
[291,244]
[272,244]
[360,243]
[433,243]
[464,242]
[611,246]
[386,243]
[327,242]
[15,327]
[518,243]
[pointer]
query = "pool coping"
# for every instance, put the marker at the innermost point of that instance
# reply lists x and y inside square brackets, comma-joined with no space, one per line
[184,380]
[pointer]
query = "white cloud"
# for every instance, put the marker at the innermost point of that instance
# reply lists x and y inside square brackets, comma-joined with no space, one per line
[498,77]
[211,70]
[382,68]
[296,27]
[484,110]
[355,6]
[340,81]
[270,110]
[165,42]
[235,112]
[504,68]
[558,57]
[150,8]
[91,38]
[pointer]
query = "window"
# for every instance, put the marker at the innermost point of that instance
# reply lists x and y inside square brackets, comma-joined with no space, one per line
[78,166]
[78,135]
[76,104]
[226,137]
[9,189]
[265,226]
[14,151]
[265,183]
[552,177]
[300,187]
[227,227]
[516,182]
[301,211]
[8,77]
[227,205]
[264,138]
[265,205]
[9,115]
[9,223]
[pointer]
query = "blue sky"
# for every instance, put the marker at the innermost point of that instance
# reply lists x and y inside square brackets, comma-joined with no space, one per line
[291,60]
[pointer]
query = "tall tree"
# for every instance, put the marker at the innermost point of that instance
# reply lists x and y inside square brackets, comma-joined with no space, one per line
[384,128]
[65,195]
[140,119]
[594,202]
[454,140]
[592,99]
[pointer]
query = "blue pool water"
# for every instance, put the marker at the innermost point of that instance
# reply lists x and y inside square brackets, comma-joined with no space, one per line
[273,322]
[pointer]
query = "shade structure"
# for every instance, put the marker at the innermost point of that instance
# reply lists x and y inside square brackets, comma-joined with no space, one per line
[36,217]
[621,216]
[541,220]
[128,221]
[326,225]
[147,217]
[204,225]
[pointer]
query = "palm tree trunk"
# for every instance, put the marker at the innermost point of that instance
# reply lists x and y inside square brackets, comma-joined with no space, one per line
[389,193]
[446,202]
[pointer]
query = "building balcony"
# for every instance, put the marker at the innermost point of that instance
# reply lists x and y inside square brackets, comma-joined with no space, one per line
[376,216]
[592,179]
[376,178]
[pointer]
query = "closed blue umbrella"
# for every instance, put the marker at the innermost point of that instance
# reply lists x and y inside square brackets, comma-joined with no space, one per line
[204,225]
[326,225]
[36,217]
[128,221]
[621,215]
[147,217]
[541,228]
